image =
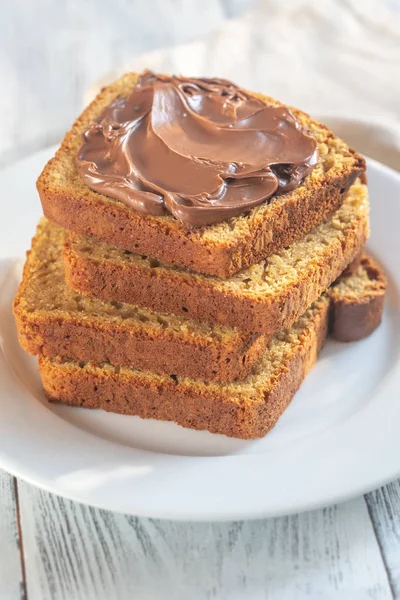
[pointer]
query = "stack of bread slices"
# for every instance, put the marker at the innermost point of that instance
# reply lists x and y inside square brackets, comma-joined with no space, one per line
[215,327]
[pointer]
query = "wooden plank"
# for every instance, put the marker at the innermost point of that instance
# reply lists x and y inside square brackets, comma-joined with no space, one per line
[11,578]
[384,509]
[75,552]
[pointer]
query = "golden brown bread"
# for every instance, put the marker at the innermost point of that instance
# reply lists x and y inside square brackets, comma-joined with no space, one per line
[54,320]
[247,409]
[222,249]
[264,298]
[357,301]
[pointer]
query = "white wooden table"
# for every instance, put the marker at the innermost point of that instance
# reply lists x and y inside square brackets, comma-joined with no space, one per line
[51,548]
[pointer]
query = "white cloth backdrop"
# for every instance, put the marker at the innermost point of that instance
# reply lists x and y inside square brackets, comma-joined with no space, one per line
[336,59]
[51,51]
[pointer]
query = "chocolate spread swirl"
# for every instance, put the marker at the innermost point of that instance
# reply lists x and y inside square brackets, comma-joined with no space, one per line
[203,150]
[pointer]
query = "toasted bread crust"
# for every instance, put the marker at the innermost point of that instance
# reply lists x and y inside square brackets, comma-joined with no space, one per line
[220,250]
[190,403]
[173,290]
[356,316]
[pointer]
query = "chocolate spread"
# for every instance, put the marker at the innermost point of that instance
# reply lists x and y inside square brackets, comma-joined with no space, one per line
[203,150]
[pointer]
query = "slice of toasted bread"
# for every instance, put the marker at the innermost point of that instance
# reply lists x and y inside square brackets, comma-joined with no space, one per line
[222,249]
[357,301]
[54,320]
[265,298]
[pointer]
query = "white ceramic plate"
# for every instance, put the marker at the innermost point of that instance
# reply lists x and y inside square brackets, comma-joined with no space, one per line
[338,438]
